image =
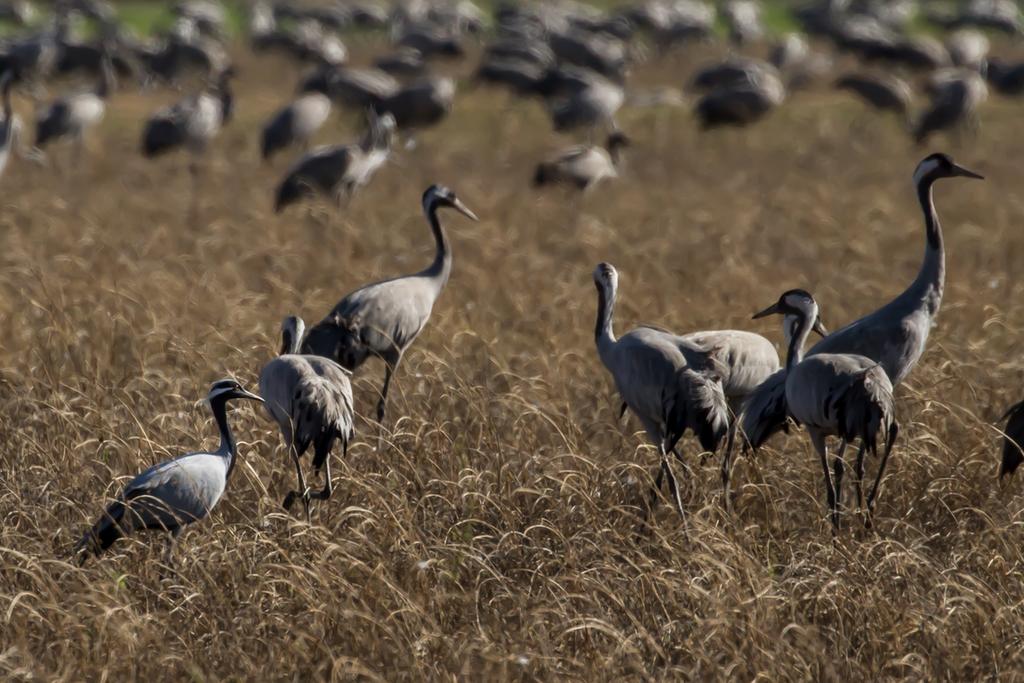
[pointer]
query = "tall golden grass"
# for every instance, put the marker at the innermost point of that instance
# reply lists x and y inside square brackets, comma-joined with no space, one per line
[495,535]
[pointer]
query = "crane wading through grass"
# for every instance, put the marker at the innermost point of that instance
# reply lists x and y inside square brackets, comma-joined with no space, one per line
[175,493]
[383,319]
[310,398]
[895,336]
[835,394]
[655,382]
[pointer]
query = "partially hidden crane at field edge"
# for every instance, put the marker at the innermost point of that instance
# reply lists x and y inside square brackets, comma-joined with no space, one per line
[9,122]
[338,171]
[895,335]
[296,123]
[175,493]
[73,115]
[310,398]
[836,394]
[192,123]
[383,319]
[1013,440]
[656,383]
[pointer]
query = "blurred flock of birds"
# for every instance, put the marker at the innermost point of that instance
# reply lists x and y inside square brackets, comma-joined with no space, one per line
[729,387]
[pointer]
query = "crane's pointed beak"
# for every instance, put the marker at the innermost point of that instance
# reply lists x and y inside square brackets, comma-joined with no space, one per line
[962,172]
[242,393]
[774,308]
[463,209]
[819,327]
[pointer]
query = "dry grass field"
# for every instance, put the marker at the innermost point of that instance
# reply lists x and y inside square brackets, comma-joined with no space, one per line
[495,535]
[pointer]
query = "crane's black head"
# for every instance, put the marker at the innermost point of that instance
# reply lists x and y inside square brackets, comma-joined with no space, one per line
[438,196]
[939,165]
[227,389]
[798,303]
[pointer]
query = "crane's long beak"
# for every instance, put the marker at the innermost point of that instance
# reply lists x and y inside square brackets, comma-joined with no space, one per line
[242,393]
[959,170]
[463,209]
[819,327]
[774,308]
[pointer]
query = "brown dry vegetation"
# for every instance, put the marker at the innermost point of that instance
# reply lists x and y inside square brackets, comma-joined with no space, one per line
[495,536]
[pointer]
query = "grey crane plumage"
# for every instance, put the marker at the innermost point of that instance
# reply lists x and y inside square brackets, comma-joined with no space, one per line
[340,170]
[742,104]
[175,493]
[1013,440]
[583,166]
[192,123]
[882,91]
[594,103]
[836,394]
[895,335]
[310,398]
[657,384]
[955,102]
[295,123]
[73,115]
[421,104]
[383,319]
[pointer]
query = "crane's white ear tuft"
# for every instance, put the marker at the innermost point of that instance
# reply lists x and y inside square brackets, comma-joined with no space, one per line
[927,168]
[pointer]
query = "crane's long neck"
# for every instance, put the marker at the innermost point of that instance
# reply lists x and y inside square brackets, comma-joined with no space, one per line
[931,279]
[228,449]
[441,268]
[800,330]
[604,334]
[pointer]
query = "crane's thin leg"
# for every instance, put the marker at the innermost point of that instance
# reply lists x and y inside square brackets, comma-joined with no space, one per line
[303,491]
[893,433]
[657,487]
[672,485]
[830,493]
[325,493]
[859,473]
[389,370]
[838,468]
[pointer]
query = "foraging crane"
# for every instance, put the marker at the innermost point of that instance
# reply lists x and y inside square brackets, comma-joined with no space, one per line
[73,115]
[421,104]
[592,102]
[656,383]
[192,123]
[296,123]
[954,103]
[310,398]
[740,105]
[882,91]
[836,394]
[1013,440]
[175,493]
[338,171]
[383,319]
[895,335]
[583,166]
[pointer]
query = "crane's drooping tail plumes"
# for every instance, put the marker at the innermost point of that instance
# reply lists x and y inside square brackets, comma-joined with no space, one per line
[1013,441]
[319,420]
[865,410]
[706,408]
[103,534]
